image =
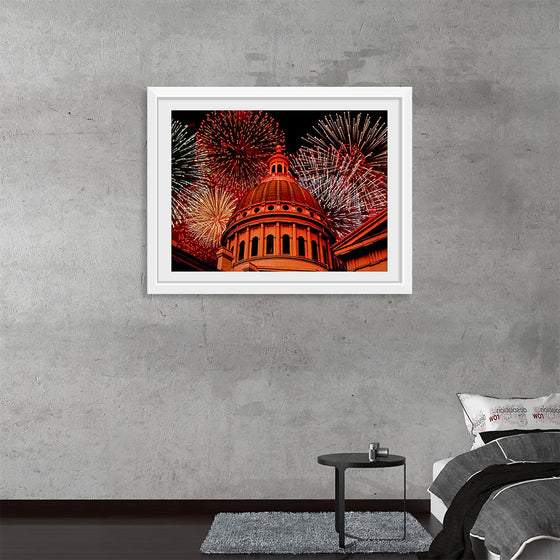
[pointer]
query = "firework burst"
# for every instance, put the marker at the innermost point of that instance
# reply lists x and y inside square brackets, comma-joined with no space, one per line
[184,169]
[329,193]
[208,214]
[347,191]
[234,147]
[362,140]
[344,168]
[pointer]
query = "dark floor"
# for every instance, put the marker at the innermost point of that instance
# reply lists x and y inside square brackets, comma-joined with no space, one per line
[135,539]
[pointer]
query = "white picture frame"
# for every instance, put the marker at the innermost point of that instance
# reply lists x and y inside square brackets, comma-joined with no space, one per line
[397,101]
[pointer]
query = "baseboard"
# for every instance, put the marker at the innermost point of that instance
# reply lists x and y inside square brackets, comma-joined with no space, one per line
[178,508]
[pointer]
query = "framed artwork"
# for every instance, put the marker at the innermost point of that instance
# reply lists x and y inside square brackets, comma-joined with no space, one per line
[279,190]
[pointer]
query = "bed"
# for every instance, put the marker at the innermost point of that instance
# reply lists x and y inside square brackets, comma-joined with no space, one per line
[501,499]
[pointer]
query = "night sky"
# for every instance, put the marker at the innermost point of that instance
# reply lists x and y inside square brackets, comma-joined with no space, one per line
[295,124]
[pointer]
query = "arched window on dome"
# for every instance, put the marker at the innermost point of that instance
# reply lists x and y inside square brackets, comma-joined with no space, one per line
[286,244]
[301,246]
[314,252]
[254,246]
[269,244]
[241,254]
[274,169]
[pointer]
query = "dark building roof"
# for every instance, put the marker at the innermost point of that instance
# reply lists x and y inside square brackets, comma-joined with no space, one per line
[183,261]
[373,230]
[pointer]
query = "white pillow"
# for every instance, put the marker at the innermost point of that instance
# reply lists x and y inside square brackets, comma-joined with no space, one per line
[490,414]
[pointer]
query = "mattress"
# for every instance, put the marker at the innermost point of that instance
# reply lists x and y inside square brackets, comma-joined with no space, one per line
[437,507]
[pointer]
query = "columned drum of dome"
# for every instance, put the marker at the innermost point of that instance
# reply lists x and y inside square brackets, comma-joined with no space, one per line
[277,226]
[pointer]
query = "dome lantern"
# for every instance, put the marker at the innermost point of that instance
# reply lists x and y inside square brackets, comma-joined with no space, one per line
[278,162]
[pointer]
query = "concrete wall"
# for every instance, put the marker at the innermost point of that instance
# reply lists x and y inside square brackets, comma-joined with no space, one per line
[110,393]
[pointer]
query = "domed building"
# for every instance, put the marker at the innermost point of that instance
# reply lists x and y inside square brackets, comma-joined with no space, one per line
[277,226]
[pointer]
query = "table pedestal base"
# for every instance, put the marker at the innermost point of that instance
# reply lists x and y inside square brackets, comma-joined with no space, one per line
[339,508]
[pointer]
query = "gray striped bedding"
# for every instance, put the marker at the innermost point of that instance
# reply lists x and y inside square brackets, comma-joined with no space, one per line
[517,513]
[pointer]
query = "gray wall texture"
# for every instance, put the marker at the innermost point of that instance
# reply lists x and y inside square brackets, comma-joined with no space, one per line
[110,393]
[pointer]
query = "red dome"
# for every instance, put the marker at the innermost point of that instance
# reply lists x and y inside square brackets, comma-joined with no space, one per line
[277,225]
[274,189]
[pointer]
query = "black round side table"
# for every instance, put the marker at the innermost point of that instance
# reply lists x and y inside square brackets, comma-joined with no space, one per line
[343,461]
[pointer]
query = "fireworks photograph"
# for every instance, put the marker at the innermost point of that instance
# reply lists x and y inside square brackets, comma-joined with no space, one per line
[279,190]
[252,189]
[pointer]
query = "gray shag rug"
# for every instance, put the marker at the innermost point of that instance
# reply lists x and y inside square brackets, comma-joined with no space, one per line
[277,532]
